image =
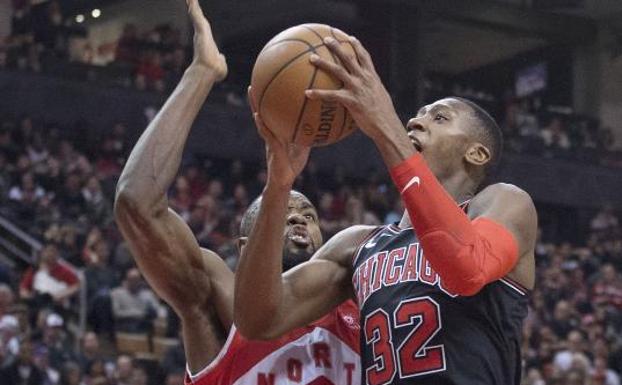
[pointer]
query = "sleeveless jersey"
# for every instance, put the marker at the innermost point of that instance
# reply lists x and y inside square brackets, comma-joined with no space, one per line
[323,353]
[414,331]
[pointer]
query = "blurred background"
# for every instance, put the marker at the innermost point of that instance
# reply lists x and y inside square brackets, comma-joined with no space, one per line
[81,79]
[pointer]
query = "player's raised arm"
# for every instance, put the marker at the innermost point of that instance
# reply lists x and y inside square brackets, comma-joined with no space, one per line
[267,302]
[164,247]
[467,254]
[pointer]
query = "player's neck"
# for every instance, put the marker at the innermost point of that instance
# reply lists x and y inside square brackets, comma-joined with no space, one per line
[461,188]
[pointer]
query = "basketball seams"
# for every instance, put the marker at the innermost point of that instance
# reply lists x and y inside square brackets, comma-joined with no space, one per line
[304,106]
[282,71]
[286,40]
[283,67]
[316,33]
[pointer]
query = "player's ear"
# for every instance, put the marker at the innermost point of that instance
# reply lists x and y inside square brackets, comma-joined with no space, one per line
[477,154]
[241,243]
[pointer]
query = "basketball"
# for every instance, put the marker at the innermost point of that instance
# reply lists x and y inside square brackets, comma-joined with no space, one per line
[281,74]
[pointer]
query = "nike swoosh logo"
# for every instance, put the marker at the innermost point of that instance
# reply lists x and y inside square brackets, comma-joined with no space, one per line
[369,245]
[414,180]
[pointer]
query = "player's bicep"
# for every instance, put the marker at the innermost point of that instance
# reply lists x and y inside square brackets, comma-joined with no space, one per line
[166,252]
[315,287]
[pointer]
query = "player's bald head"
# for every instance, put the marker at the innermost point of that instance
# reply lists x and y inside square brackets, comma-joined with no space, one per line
[250,216]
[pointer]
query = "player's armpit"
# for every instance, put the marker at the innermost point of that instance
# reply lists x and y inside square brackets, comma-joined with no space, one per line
[309,291]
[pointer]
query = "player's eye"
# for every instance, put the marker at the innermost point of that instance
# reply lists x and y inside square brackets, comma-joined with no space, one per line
[310,217]
[440,117]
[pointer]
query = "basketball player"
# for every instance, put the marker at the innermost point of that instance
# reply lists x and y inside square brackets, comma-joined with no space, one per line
[196,282]
[442,293]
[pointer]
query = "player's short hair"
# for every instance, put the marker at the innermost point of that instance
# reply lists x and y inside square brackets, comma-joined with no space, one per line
[250,216]
[486,131]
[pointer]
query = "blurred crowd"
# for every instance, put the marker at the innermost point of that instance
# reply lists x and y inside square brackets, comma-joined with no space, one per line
[531,128]
[44,39]
[57,185]
[60,191]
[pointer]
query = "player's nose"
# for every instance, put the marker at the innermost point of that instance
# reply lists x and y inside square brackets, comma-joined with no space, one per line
[296,219]
[415,124]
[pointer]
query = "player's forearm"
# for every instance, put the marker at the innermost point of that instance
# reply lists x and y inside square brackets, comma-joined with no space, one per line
[393,142]
[154,161]
[466,254]
[258,284]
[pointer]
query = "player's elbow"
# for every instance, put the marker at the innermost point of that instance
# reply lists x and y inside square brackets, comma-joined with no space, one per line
[129,204]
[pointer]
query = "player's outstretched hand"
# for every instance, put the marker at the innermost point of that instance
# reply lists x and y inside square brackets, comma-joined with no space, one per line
[285,160]
[363,93]
[206,51]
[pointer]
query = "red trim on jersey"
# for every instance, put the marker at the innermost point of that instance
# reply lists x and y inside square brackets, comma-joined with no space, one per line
[240,355]
[515,285]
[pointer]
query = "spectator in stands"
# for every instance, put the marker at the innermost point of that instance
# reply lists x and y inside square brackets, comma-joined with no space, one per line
[139,375]
[56,341]
[90,351]
[41,359]
[70,199]
[71,374]
[6,299]
[563,321]
[22,369]
[575,348]
[124,370]
[97,205]
[28,193]
[150,74]
[127,45]
[51,279]
[96,374]
[555,136]
[607,289]
[604,220]
[134,306]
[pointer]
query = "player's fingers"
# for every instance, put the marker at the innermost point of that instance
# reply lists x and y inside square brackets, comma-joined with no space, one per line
[341,96]
[361,53]
[199,21]
[333,69]
[263,130]
[347,60]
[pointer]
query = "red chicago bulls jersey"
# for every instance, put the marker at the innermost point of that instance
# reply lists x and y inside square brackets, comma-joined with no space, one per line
[323,353]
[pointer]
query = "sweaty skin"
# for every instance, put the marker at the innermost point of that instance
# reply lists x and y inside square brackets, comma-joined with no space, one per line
[195,282]
[438,131]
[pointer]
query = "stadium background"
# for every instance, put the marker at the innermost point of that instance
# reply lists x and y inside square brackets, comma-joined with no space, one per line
[79,81]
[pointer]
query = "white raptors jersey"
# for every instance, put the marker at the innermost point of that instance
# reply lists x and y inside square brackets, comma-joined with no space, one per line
[323,353]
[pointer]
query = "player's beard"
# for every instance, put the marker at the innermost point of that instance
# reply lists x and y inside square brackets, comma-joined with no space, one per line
[294,256]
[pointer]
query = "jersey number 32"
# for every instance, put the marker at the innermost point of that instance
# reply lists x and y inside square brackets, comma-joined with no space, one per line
[413,357]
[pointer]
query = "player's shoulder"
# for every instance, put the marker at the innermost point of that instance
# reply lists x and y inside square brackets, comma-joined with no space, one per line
[503,189]
[504,195]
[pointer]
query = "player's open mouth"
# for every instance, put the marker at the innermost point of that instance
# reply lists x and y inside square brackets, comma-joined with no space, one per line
[299,236]
[416,144]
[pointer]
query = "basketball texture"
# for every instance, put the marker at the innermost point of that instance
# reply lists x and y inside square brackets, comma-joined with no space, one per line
[283,72]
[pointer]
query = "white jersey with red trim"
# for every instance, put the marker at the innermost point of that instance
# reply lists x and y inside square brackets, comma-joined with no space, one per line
[323,353]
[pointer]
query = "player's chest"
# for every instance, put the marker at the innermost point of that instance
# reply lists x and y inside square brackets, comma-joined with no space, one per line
[393,264]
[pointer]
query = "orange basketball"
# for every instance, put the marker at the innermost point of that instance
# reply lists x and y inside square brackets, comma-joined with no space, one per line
[283,72]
